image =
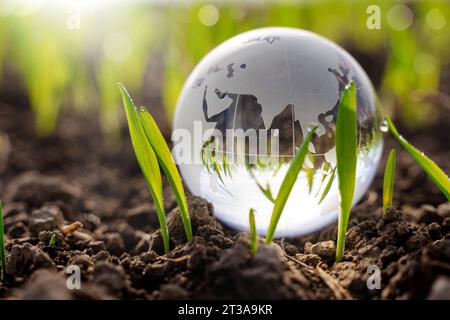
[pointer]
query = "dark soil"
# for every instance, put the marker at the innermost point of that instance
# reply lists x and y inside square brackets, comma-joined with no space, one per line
[74,199]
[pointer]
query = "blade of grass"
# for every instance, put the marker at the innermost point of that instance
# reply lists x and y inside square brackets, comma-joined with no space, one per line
[217,169]
[288,183]
[310,175]
[328,185]
[346,154]
[166,161]
[2,243]
[325,168]
[267,192]
[226,165]
[147,161]
[253,234]
[428,165]
[388,181]
[52,240]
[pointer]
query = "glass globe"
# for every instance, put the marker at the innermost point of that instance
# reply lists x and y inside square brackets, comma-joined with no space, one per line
[244,111]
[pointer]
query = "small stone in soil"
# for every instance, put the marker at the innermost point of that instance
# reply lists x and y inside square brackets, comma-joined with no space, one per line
[444,210]
[90,221]
[440,289]
[324,249]
[45,218]
[96,246]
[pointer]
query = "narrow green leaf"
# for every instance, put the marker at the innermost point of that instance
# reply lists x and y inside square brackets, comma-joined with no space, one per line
[147,161]
[288,183]
[253,234]
[2,243]
[52,241]
[310,176]
[267,192]
[226,164]
[325,168]
[328,185]
[428,165]
[346,154]
[216,168]
[388,182]
[166,161]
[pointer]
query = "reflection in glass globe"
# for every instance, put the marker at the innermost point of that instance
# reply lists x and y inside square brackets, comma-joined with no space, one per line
[243,113]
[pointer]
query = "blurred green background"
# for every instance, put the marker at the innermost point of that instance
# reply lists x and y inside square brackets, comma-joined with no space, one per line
[68,55]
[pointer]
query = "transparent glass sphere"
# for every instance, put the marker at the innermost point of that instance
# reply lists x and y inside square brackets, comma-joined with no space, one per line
[244,111]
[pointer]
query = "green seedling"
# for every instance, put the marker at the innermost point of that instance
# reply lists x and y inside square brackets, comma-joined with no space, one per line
[227,166]
[328,185]
[2,243]
[346,155]
[253,234]
[266,191]
[150,147]
[147,161]
[388,182]
[431,168]
[310,176]
[211,161]
[288,183]
[325,173]
[166,161]
[52,240]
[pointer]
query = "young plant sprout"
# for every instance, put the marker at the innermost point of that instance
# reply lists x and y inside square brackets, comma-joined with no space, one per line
[328,185]
[149,147]
[166,161]
[310,175]
[253,234]
[52,241]
[346,144]
[265,190]
[287,184]
[2,243]
[346,155]
[431,168]
[388,183]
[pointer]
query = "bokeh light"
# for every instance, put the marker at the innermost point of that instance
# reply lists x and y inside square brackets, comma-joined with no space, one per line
[425,63]
[400,17]
[435,19]
[208,15]
[117,47]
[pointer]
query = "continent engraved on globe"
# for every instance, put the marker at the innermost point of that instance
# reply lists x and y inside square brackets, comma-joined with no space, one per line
[244,112]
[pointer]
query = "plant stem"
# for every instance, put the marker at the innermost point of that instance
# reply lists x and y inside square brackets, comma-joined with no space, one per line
[253,234]
[2,243]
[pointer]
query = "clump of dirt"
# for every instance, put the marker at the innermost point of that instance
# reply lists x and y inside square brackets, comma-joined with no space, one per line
[71,200]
